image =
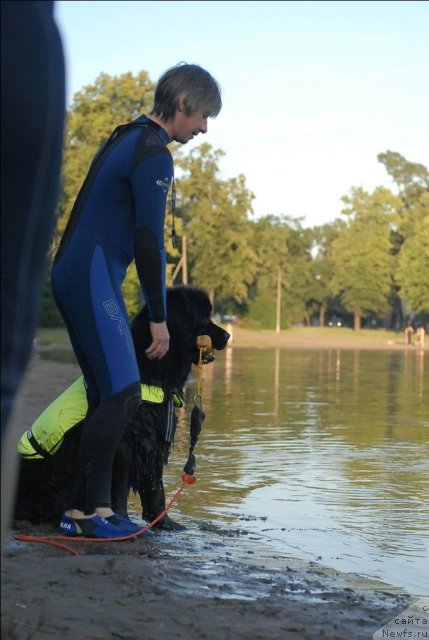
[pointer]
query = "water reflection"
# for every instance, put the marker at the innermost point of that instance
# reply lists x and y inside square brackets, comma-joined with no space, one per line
[323,452]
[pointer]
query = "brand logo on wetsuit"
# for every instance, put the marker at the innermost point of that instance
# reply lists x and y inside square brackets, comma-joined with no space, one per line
[164,184]
[116,314]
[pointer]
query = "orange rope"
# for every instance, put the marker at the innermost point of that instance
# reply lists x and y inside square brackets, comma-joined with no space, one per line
[187,479]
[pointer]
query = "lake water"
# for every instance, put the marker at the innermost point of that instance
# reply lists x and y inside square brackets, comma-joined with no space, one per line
[323,454]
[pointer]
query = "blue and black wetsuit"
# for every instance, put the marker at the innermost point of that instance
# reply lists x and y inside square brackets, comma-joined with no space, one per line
[118,216]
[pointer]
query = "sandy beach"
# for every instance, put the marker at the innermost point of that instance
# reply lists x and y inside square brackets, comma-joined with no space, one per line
[209,582]
[325,338]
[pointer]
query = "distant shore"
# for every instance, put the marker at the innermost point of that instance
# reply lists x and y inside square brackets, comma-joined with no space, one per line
[295,338]
[324,338]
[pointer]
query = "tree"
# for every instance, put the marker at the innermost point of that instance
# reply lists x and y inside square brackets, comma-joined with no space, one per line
[411,178]
[362,253]
[323,266]
[412,274]
[269,242]
[283,250]
[214,213]
[301,280]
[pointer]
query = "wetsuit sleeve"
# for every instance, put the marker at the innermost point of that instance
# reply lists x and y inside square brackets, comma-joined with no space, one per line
[150,264]
[150,181]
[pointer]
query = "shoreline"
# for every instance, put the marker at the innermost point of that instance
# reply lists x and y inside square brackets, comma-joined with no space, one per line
[323,338]
[210,582]
[295,338]
[198,584]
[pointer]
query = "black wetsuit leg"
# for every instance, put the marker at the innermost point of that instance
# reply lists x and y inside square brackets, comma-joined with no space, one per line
[99,442]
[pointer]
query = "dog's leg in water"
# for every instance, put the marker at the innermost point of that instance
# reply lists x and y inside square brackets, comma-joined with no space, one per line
[153,503]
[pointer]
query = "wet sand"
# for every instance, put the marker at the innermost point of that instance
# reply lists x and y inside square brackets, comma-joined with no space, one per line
[208,583]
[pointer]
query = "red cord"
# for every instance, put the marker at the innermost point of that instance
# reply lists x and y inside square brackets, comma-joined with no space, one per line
[187,479]
[46,541]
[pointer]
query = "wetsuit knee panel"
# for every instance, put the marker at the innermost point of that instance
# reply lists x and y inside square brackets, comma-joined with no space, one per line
[127,401]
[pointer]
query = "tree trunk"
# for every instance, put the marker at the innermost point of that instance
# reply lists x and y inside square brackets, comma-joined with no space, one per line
[357,318]
[185,261]
[322,316]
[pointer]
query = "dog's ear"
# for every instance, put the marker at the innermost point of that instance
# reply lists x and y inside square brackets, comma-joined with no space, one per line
[186,307]
[179,314]
[191,301]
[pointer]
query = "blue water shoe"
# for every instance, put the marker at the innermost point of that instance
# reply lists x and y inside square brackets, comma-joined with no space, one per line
[95,527]
[128,526]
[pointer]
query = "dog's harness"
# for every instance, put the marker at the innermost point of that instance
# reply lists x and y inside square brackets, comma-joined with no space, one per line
[45,436]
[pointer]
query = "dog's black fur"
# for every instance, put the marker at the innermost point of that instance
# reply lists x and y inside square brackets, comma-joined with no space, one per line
[44,487]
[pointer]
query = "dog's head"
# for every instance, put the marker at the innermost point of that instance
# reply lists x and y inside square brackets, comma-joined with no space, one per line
[189,315]
[191,306]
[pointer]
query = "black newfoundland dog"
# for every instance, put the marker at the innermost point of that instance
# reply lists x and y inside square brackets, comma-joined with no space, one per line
[44,485]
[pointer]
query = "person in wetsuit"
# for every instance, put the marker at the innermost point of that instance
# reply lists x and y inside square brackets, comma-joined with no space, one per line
[119,216]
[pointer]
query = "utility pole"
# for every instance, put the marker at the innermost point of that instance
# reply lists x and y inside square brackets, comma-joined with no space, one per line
[182,264]
[279,300]
[184,261]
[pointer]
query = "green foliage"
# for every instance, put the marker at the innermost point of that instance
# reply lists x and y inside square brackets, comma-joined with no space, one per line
[362,253]
[283,251]
[214,213]
[262,311]
[411,178]
[412,274]
[362,262]
[322,266]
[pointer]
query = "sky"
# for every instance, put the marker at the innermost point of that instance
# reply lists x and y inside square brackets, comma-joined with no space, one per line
[312,91]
